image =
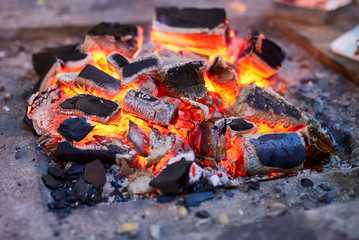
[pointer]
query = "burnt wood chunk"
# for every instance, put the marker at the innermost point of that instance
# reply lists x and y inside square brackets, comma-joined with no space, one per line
[219,72]
[90,105]
[149,107]
[144,66]
[95,173]
[266,50]
[173,178]
[263,104]
[113,37]
[139,140]
[239,125]
[75,128]
[117,60]
[66,152]
[185,79]
[211,138]
[190,17]
[273,152]
[160,145]
[92,75]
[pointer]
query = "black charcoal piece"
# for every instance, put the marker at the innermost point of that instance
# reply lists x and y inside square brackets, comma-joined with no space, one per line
[202,214]
[50,181]
[75,169]
[229,194]
[58,194]
[75,128]
[95,173]
[149,107]
[90,105]
[82,189]
[281,150]
[239,124]
[117,60]
[113,29]
[166,198]
[306,182]
[68,153]
[146,65]
[254,185]
[191,17]
[173,178]
[195,199]
[139,140]
[98,77]
[56,171]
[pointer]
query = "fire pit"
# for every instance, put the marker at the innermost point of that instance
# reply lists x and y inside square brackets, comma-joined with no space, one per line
[188,112]
[94,179]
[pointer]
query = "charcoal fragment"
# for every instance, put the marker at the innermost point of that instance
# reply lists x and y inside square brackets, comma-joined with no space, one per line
[254,185]
[95,173]
[58,194]
[75,128]
[75,169]
[325,198]
[229,194]
[50,181]
[56,171]
[139,140]
[195,199]
[202,214]
[166,198]
[117,60]
[305,182]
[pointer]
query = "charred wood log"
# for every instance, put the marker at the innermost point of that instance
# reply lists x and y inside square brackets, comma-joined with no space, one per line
[75,128]
[211,138]
[92,76]
[161,145]
[263,104]
[111,37]
[139,140]
[90,105]
[149,107]
[144,66]
[220,73]
[185,80]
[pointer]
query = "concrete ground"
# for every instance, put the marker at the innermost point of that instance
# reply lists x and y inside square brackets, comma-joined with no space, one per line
[280,209]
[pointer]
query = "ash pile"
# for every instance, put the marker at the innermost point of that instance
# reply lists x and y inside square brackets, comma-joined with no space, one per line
[192,109]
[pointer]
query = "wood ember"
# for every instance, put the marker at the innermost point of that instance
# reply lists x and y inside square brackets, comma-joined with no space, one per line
[161,145]
[273,152]
[90,105]
[117,61]
[140,182]
[211,138]
[149,107]
[75,128]
[138,139]
[113,37]
[204,108]
[66,77]
[95,173]
[185,79]
[92,76]
[122,151]
[220,72]
[239,125]
[144,66]
[147,85]
[263,104]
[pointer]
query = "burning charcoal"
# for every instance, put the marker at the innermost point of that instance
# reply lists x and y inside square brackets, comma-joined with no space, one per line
[211,138]
[195,199]
[148,86]
[66,77]
[140,182]
[46,64]
[149,107]
[50,181]
[95,173]
[75,128]
[219,72]
[160,146]
[90,105]
[92,76]
[203,31]
[197,182]
[117,61]
[173,178]
[114,37]
[263,104]
[203,107]
[239,125]
[138,139]
[66,152]
[275,152]
[144,66]
[185,79]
